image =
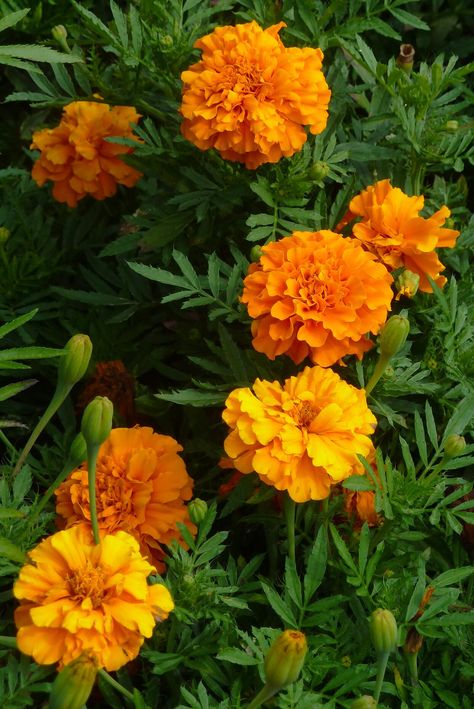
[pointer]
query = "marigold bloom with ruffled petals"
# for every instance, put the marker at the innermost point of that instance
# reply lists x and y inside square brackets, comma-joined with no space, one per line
[250,96]
[316,294]
[76,156]
[142,485]
[78,597]
[302,436]
[391,227]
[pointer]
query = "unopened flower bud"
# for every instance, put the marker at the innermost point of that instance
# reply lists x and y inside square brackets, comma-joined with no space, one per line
[407,284]
[72,687]
[383,631]
[451,126]
[405,57]
[454,445]
[59,33]
[255,253]
[78,451]
[393,336]
[365,702]
[4,234]
[73,365]
[319,170]
[197,510]
[285,658]
[97,421]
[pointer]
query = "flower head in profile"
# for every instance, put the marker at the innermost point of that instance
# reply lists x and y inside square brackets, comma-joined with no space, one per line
[303,436]
[78,597]
[76,156]
[111,379]
[249,96]
[142,486]
[360,506]
[316,294]
[391,227]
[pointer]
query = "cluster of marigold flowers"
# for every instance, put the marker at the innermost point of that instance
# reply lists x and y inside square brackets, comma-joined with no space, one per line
[311,295]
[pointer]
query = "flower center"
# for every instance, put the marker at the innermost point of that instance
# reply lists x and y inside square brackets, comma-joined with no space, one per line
[305,413]
[88,582]
[243,78]
[320,289]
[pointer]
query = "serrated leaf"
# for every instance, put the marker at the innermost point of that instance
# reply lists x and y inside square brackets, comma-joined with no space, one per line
[237,657]
[431,425]
[158,275]
[279,606]
[448,578]
[6,392]
[187,269]
[460,418]
[316,565]
[17,322]
[342,549]
[193,397]
[406,18]
[420,438]
[34,53]
[11,551]
[364,542]
[30,353]
[262,189]
[357,482]
[12,19]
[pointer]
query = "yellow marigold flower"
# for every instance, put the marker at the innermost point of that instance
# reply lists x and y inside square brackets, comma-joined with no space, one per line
[392,228]
[316,294]
[142,485]
[76,156]
[250,96]
[78,597]
[303,436]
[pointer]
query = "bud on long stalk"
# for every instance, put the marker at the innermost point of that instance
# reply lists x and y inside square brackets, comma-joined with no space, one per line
[392,338]
[72,367]
[384,633]
[95,427]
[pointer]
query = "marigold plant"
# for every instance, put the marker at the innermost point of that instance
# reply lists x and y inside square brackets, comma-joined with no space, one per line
[142,485]
[391,227]
[316,294]
[77,596]
[250,96]
[302,436]
[76,156]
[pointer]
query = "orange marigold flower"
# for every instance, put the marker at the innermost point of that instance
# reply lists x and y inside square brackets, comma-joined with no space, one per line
[77,597]
[250,96]
[316,294]
[303,436]
[111,379]
[141,484]
[393,229]
[360,504]
[76,156]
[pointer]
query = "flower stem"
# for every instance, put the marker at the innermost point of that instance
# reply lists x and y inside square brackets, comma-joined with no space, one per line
[116,685]
[7,641]
[381,667]
[411,658]
[290,513]
[49,492]
[265,693]
[380,368]
[92,452]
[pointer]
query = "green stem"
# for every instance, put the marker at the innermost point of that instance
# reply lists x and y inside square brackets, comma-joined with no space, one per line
[68,468]
[381,667]
[265,693]
[290,513]
[116,685]
[53,406]
[411,658]
[380,368]
[92,452]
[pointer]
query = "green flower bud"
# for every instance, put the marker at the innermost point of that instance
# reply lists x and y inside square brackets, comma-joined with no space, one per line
[285,659]
[454,445]
[319,170]
[73,365]
[407,284]
[383,631]
[255,253]
[451,126]
[4,234]
[72,687]
[78,450]
[97,420]
[365,702]
[393,336]
[197,510]
[59,33]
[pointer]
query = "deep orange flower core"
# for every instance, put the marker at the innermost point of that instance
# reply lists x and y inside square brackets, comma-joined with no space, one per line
[142,486]
[249,96]
[391,227]
[77,157]
[303,436]
[316,294]
[79,597]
